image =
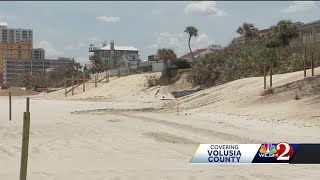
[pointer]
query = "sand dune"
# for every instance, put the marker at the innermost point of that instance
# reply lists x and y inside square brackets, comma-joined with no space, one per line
[244,97]
[129,88]
[110,132]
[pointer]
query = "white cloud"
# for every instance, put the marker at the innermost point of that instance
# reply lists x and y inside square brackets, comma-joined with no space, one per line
[73,47]
[3,24]
[299,6]
[108,19]
[204,8]
[202,41]
[167,40]
[179,42]
[50,51]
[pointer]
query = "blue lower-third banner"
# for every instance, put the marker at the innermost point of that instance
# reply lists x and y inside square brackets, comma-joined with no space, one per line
[283,152]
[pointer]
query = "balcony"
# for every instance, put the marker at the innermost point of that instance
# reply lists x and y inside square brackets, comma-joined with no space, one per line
[93,48]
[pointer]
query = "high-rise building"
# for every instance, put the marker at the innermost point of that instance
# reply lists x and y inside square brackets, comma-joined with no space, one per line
[37,53]
[12,35]
[12,68]
[14,51]
[14,44]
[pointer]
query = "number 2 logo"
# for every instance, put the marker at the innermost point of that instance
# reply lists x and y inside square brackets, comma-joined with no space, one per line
[285,151]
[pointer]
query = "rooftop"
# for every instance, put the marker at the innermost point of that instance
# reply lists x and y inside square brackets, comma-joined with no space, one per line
[40,60]
[195,53]
[311,23]
[121,48]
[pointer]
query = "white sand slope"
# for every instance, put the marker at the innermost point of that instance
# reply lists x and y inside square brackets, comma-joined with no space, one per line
[129,88]
[126,139]
[243,97]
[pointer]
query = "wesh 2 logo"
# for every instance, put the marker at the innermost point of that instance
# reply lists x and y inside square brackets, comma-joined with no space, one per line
[282,151]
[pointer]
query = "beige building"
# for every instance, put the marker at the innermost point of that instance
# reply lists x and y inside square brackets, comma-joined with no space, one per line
[14,51]
[37,53]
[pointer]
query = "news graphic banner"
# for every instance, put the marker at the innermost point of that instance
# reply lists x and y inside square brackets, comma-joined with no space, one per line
[281,153]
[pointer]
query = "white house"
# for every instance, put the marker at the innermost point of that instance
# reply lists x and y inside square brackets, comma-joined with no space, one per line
[113,55]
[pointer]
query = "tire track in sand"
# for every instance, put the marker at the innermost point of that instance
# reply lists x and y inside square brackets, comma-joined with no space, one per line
[180,126]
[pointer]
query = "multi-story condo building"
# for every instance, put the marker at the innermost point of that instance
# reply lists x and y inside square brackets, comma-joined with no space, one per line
[12,35]
[14,51]
[14,67]
[112,55]
[37,53]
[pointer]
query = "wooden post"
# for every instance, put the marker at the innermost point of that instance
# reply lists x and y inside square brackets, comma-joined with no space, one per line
[28,107]
[25,143]
[84,86]
[313,45]
[312,67]
[265,76]
[305,61]
[72,85]
[271,75]
[10,110]
[119,72]
[106,76]
[78,78]
[65,87]
[178,107]
[95,80]
[109,73]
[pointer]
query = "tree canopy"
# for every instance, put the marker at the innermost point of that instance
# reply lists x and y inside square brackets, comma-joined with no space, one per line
[249,31]
[285,30]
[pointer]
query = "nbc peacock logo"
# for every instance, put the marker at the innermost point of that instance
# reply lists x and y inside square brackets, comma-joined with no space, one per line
[267,150]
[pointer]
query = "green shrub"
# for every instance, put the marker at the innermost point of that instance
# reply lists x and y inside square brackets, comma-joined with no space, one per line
[246,60]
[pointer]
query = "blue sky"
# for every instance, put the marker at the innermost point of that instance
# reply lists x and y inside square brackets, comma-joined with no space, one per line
[67,28]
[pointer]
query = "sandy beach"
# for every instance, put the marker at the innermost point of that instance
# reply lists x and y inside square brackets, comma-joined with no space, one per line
[122,134]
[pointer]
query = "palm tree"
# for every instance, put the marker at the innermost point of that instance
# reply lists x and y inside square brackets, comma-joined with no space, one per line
[248,31]
[166,55]
[192,31]
[286,30]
